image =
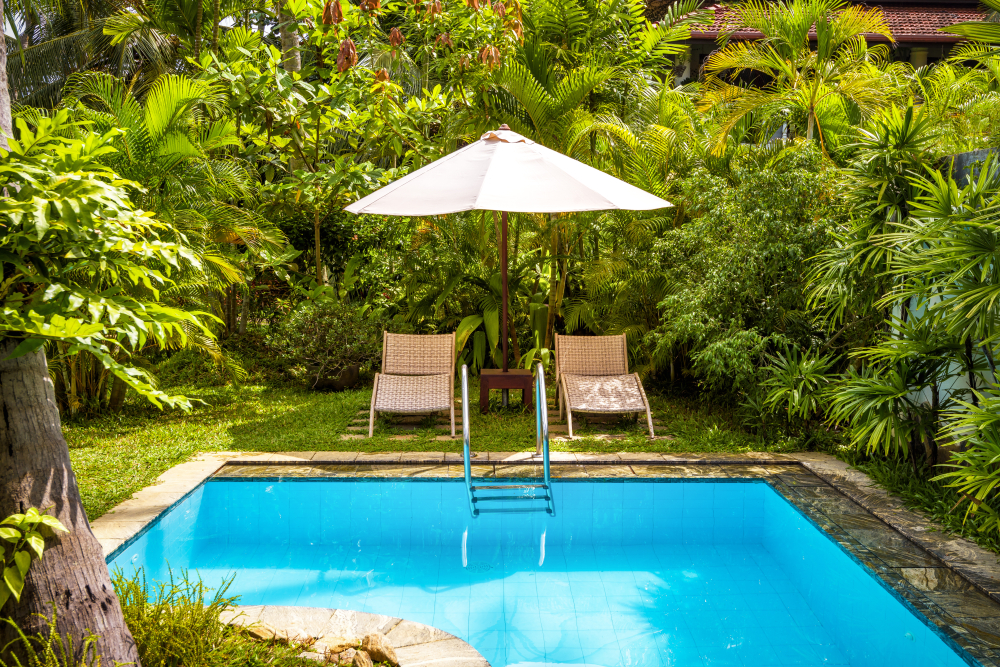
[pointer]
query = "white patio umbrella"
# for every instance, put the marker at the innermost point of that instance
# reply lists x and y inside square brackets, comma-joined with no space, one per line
[505,171]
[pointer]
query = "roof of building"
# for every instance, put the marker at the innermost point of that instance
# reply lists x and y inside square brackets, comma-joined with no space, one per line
[908,23]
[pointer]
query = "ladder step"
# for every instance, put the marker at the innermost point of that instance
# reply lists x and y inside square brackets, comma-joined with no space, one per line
[521,510]
[510,486]
[481,498]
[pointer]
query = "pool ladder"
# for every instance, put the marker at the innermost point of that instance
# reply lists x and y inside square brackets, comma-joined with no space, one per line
[526,492]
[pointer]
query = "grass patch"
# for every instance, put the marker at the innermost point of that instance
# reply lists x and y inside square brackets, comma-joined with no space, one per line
[116,455]
[931,499]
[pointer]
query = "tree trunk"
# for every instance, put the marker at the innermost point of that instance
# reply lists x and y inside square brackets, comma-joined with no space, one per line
[199,18]
[550,322]
[244,310]
[290,57]
[215,27]
[119,390]
[319,259]
[35,472]
[5,122]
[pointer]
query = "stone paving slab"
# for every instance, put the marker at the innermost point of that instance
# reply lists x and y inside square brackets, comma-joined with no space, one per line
[416,644]
[975,564]
[335,456]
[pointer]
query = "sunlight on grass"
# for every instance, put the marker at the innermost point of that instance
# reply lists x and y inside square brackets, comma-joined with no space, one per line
[117,455]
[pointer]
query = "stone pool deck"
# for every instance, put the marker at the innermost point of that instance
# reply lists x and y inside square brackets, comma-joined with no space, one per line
[416,644]
[950,580]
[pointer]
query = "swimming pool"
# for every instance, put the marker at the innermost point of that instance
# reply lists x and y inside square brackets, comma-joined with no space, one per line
[627,572]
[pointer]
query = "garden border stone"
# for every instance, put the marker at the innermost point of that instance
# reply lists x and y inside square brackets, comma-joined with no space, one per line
[415,644]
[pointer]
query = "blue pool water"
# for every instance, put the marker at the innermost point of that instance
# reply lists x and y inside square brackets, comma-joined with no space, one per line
[627,572]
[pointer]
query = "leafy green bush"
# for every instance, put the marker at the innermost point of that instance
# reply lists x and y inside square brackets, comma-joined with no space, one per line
[327,336]
[173,622]
[736,268]
[177,623]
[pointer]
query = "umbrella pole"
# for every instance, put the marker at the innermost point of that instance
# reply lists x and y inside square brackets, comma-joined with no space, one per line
[503,295]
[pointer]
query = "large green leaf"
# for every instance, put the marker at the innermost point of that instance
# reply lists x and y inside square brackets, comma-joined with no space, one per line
[465,329]
[36,543]
[14,581]
[22,560]
[979,31]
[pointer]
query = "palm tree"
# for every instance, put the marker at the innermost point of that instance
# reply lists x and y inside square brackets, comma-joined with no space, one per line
[851,278]
[132,39]
[581,58]
[179,152]
[178,145]
[6,129]
[823,89]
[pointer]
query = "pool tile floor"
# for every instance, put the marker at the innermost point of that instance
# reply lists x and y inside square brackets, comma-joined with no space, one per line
[678,604]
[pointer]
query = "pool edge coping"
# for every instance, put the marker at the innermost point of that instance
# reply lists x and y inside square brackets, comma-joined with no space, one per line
[128,520]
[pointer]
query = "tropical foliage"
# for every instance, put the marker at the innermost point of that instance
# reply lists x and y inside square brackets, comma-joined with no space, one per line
[828,268]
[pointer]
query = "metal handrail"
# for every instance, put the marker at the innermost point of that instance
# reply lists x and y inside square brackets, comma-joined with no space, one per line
[542,422]
[466,453]
[541,446]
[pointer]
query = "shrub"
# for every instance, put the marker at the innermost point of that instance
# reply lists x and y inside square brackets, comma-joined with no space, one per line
[177,623]
[327,336]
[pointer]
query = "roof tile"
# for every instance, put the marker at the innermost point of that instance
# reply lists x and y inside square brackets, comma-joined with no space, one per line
[906,23]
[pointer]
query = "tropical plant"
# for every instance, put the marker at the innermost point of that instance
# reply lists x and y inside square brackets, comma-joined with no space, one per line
[24,535]
[179,621]
[80,265]
[822,77]
[978,31]
[974,467]
[733,271]
[77,268]
[174,622]
[134,41]
[583,59]
[798,383]
[923,247]
[319,137]
[961,102]
[178,153]
[850,278]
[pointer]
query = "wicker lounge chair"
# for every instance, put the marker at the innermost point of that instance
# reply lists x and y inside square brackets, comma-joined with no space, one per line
[418,376]
[592,376]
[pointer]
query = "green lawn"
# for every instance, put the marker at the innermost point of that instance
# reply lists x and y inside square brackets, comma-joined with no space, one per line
[117,455]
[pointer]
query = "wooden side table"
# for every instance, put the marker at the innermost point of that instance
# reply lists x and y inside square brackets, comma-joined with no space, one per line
[515,378]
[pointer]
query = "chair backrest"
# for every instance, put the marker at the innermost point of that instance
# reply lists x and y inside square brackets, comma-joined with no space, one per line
[404,354]
[591,355]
